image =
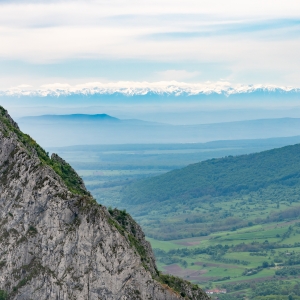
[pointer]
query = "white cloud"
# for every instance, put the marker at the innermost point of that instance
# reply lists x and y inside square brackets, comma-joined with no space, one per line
[51,32]
[54,86]
[48,32]
[177,75]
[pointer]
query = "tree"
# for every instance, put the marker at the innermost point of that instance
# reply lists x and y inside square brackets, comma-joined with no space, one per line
[265,264]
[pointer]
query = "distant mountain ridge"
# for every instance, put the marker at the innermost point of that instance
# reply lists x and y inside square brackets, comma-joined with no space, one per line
[85,118]
[145,88]
[72,117]
[104,117]
[68,130]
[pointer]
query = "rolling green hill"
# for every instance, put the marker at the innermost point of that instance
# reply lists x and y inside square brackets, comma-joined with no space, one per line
[218,194]
[223,176]
[229,223]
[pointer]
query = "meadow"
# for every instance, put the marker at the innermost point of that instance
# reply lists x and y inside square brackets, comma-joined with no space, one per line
[237,260]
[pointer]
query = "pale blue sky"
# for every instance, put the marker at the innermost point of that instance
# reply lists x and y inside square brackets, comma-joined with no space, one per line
[75,42]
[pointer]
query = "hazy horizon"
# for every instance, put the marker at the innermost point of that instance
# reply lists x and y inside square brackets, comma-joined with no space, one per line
[151,60]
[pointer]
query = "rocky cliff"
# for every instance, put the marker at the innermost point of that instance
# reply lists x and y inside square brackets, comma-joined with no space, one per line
[56,242]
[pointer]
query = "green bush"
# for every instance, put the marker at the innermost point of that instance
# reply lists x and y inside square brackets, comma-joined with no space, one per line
[3,295]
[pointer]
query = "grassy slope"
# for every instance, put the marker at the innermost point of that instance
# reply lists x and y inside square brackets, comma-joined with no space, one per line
[64,170]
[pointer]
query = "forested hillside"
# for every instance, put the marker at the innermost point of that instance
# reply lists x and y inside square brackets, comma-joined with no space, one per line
[218,194]
[218,177]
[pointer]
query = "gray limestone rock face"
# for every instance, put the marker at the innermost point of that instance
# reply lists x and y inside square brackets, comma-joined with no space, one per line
[58,244]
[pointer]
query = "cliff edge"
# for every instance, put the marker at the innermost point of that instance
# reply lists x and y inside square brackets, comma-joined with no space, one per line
[56,242]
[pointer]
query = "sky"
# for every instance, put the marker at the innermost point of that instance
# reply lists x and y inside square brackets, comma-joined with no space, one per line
[191,41]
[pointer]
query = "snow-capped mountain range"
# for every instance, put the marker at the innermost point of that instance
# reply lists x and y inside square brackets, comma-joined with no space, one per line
[144,88]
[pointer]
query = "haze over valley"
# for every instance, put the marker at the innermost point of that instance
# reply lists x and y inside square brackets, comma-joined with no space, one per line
[213,182]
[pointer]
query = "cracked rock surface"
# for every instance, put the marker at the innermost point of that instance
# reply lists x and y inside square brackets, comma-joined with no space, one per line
[59,244]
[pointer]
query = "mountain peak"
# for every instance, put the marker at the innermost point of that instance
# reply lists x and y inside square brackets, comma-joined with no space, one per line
[73,117]
[147,88]
[56,242]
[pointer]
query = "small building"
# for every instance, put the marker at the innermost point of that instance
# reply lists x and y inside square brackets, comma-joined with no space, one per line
[216,291]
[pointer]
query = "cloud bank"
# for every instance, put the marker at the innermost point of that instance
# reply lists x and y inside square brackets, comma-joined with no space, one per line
[242,41]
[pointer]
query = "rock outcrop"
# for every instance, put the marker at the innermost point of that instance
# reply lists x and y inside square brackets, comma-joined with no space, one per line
[56,242]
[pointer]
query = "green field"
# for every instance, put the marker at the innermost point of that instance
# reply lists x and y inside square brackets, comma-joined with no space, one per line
[236,261]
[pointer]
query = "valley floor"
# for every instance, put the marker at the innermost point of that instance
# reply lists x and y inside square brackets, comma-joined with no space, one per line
[246,262]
